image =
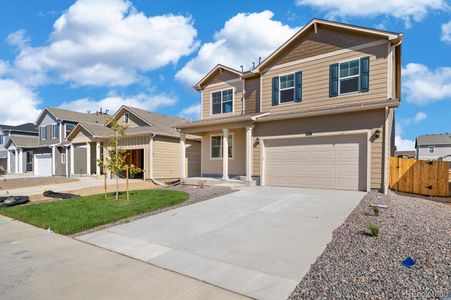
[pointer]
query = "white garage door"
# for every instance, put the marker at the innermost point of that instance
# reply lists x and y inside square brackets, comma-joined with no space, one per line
[43,164]
[333,162]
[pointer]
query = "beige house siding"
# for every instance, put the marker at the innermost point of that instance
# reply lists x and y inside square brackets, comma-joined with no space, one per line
[237,98]
[82,136]
[133,121]
[252,95]
[237,164]
[315,82]
[220,76]
[327,39]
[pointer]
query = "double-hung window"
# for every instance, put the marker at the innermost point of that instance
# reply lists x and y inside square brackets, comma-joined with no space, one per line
[69,128]
[431,149]
[216,146]
[222,101]
[55,131]
[43,132]
[286,90]
[348,76]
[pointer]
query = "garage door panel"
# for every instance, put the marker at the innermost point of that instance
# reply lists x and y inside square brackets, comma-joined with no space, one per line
[337,162]
[43,164]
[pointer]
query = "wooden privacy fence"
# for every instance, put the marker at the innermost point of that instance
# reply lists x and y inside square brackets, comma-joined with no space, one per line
[421,177]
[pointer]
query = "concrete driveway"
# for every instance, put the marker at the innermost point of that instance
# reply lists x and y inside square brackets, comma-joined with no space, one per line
[258,242]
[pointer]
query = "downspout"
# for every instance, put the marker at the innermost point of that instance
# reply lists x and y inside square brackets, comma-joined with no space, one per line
[243,100]
[151,162]
[385,151]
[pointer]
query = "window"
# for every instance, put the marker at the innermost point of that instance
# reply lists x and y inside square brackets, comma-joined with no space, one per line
[126,118]
[216,146]
[431,149]
[63,158]
[69,128]
[29,157]
[286,90]
[2,139]
[222,102]
[43,132]
[348,76]
[55,131]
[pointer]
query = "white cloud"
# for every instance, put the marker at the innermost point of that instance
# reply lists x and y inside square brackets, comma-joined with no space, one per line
[191,112]
[243,39]
[18,103]
[407,10]
[113,102]
[18,39]
[105,42]
[419,117]
[404,144]
[422,85]
[446,32]
[4,67]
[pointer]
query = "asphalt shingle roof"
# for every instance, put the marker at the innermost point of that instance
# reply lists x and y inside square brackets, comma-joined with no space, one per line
[74,116]
[434,139]
[24,141]
[26,127]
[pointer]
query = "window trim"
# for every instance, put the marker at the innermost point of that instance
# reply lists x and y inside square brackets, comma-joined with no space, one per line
[65,129]
[221,135]
[294,88]
[41,135]
[429,149]
[63,158]
[233,102]
[349,77]
[126,118]
[54,131]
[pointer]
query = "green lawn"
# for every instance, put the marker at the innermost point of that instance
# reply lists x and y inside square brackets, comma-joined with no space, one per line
[79,214]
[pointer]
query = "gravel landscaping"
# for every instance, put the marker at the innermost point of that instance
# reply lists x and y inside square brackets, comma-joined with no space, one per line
[355,265]
[197,194]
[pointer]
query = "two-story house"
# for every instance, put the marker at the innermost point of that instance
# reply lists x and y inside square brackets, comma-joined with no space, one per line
[318,112]
[433,147]
[151,143]
[54,124]
[15,143]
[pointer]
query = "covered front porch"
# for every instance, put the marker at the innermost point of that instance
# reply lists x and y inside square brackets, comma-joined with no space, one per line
[227,152]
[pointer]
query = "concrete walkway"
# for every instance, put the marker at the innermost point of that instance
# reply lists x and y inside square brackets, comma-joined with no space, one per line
[84,182]
[258,242]
[36,264]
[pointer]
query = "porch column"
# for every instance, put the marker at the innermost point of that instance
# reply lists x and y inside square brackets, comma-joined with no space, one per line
[182,156]
[8,163]
[16,161]
[20,161]
[67,161]
[88,158]
[97,158]
[249,153]
[72,160]
[225,154]
[53,160]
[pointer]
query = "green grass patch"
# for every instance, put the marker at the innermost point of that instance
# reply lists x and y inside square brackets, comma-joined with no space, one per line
[79,214]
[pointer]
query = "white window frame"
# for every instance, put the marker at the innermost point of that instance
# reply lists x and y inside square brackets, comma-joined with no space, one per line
[222,103]
[41,135]
[431,148]
[54,131]
[65,128]
[221,135]
[126,118]
[294,88]
[348,77]
[63,158]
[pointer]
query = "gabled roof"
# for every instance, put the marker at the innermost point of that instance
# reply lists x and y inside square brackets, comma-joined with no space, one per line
[73,116]
[433,139]
[26,127]
[96,130]
[394,37]
[23,141]
[217,67]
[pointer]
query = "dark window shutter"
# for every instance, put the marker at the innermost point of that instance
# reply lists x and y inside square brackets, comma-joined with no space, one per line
[333,80]
[364,74]
[275,91]
[298,87]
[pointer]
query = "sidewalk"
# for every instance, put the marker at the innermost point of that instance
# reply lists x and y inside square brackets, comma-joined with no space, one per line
[37,264]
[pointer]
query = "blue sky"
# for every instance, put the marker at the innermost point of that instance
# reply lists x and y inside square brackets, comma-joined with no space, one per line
[84,55]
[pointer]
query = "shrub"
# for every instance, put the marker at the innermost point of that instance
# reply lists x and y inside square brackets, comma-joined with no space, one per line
[375,210]
[373,228]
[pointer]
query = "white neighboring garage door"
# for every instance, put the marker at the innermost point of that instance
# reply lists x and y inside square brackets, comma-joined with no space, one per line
[329,162]
[43,164]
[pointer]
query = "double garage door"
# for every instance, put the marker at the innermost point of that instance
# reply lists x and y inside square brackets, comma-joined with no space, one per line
[332,162]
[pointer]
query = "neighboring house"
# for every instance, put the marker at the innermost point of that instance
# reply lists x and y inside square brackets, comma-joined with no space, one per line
[17,159]
[151,141]
[405,154]
[433,147]
[51,159]
[318,112]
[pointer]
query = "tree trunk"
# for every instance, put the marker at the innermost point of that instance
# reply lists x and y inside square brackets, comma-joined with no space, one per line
[126,182]
[117,175]
[104,185]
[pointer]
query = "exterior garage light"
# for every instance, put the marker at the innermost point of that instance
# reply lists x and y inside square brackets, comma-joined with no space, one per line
[378,133]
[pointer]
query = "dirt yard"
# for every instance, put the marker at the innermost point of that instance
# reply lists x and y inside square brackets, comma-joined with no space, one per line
[141,185]
[16,183]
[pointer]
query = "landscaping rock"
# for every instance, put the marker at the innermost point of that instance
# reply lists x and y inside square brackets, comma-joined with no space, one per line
[355,265]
